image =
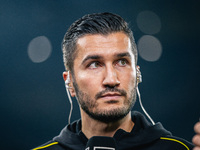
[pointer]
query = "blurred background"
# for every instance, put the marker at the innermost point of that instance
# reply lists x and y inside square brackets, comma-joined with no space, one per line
[34,104]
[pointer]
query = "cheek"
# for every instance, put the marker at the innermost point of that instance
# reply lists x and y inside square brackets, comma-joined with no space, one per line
[87,82]
[129,81]
[129,75]
[82,79]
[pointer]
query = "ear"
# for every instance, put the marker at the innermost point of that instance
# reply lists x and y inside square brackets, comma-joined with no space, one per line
[71,89]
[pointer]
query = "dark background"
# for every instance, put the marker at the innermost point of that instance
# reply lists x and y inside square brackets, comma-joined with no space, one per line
[34,104]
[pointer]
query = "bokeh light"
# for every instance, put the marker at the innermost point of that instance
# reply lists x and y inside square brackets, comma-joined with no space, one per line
[149,48]
[39,49]
[148,22]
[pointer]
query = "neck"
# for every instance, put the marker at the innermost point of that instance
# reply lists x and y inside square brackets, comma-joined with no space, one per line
[91,127]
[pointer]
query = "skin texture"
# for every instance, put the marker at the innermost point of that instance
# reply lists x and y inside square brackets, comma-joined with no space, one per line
[104,62]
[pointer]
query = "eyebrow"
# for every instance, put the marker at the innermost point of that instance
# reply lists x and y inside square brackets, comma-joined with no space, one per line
[123,55]
[95,57]
[91,57]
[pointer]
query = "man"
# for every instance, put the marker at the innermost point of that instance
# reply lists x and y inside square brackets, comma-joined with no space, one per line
[100,58]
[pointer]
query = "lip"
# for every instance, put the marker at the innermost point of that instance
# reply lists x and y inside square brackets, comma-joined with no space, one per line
[111,96]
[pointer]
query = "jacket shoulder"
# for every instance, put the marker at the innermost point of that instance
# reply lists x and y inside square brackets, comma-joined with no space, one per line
[51,145]
[176,143]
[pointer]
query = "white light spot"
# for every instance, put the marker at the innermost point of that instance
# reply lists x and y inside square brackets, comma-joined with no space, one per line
[148,22]
[39,49]
[149,48]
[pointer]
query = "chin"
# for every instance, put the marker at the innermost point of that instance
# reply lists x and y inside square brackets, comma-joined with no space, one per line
[110,116]
[110,108]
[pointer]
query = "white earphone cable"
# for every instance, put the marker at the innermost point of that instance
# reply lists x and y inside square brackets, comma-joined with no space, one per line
[138,92]
[71,105]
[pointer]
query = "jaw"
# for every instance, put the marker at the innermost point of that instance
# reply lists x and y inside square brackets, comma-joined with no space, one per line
[91,127]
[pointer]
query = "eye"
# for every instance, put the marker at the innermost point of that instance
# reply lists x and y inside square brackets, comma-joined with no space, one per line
[94,65]
[122,62]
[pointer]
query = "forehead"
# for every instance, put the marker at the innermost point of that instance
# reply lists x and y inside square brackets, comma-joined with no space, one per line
[105,45]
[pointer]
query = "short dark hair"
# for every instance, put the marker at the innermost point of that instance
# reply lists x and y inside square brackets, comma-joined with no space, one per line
[98,23]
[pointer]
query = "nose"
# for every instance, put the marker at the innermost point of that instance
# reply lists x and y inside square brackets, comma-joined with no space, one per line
[110,77]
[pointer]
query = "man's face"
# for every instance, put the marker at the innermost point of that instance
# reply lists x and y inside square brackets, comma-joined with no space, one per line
[105,76]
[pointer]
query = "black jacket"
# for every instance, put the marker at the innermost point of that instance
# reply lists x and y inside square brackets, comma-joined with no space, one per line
[144,136]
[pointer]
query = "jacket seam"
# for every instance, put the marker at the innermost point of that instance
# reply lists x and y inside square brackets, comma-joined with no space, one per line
[45,146]
[171,139]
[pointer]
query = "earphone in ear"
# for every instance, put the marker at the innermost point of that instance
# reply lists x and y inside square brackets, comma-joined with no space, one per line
[67,85]
[67,82]
[138,74]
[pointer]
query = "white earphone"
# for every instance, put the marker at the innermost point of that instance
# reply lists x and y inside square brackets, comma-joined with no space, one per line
[138,75]
[67,82]
[67,85]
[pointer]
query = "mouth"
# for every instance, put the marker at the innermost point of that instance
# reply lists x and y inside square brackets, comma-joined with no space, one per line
[111,96]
